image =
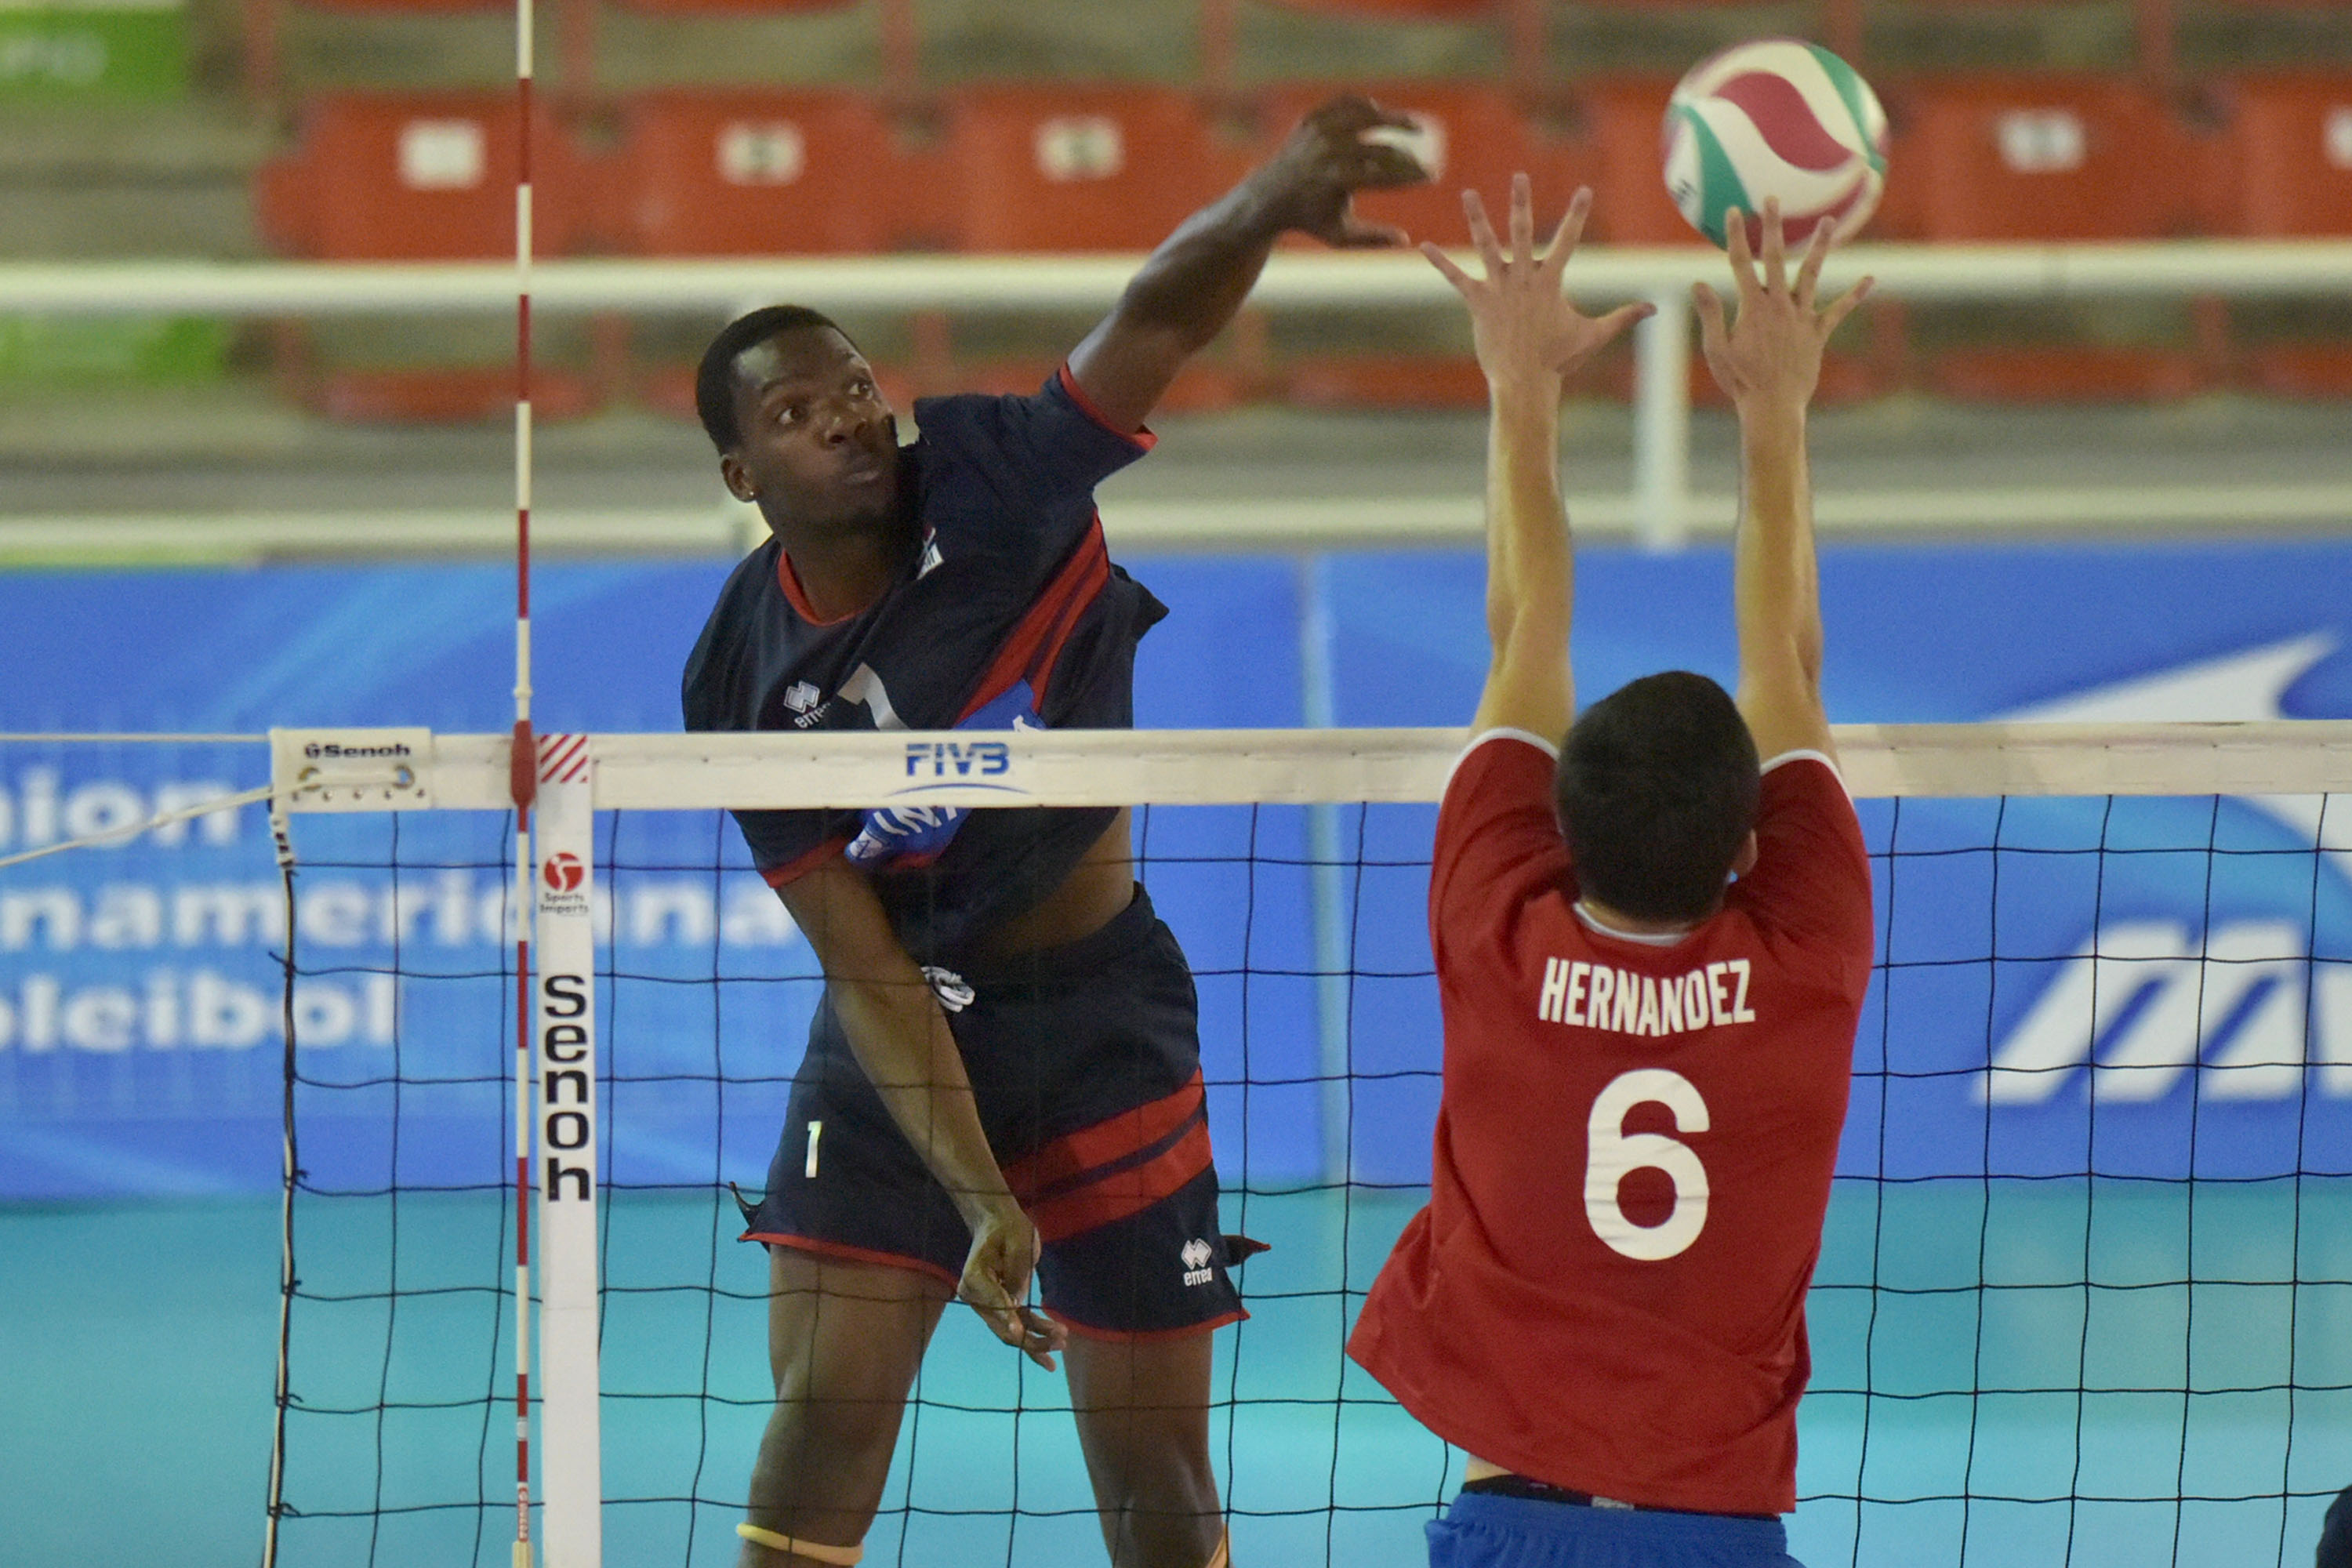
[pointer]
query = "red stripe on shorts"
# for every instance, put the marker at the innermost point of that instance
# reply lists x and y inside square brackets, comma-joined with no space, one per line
[841,1252]
[1123,1193]
[1131,1132]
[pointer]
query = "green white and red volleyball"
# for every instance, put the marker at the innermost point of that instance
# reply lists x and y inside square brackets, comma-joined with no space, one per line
[1778,117]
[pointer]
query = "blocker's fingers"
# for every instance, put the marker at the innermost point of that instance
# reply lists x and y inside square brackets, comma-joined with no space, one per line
[1481,233]
[1523,220]
[1711,329]
[1843,305]
[1622,317]
[1743,261]
[1776,247]
[1809,275]
[1444,265]
[1570,232]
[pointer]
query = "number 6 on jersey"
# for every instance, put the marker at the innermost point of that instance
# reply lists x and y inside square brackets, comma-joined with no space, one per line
[1612,1155]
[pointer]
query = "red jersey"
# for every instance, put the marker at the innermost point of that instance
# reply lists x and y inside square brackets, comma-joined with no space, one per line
[1634,1145]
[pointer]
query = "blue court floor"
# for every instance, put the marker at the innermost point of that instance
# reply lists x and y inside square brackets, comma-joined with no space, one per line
[138,1342]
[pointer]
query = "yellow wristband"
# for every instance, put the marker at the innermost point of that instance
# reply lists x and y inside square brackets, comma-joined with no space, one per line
[842,1556]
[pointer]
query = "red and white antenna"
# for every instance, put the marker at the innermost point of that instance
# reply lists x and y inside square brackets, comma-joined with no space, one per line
[522,783]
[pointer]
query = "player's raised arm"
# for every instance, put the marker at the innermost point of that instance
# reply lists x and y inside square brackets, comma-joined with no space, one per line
[1768,359]
[1529,337]
[1191,284]
[901,1040]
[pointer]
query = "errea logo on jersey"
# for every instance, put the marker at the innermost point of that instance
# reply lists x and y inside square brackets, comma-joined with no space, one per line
[799,696]
[1195,1255]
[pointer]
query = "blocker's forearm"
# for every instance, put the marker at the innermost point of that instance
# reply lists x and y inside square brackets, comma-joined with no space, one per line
[1530,565]
[1776,580]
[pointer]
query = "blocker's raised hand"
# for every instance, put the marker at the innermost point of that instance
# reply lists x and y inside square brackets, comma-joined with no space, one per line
[1521,320]
[1771,352]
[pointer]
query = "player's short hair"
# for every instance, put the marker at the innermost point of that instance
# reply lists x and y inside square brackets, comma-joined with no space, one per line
[2335,1534]
[714,380]
[1656,790]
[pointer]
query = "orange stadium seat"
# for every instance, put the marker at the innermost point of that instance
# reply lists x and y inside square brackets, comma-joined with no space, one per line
[1625,117]
[1069,167]
[2282,164]
[751,172]
[2281,168]
[1055,167]
[422,176]
[2049,156]
[381,176]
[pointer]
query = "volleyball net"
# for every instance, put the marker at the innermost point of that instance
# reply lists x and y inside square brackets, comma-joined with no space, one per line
[2083,1291]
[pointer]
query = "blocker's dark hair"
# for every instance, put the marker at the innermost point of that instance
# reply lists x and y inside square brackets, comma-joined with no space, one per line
[1656,789]
[714,380]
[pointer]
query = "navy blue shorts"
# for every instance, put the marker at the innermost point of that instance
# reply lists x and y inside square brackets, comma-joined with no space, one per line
[1483,1531]
[1085,1062]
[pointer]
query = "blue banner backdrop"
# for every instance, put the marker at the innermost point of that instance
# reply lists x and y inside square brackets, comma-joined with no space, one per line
[139,1037]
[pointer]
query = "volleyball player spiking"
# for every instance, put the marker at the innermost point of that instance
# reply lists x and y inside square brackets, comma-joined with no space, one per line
[1004,1074]
[1645,1059]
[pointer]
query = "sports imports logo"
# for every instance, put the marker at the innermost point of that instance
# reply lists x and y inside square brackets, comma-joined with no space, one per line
[563,885]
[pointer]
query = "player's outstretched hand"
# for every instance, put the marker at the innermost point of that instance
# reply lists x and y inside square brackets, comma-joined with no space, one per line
[1523,323]
[1337,150]
[995,1282]
[1770,354]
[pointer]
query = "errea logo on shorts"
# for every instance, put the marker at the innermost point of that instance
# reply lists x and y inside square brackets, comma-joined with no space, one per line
[1195,1255]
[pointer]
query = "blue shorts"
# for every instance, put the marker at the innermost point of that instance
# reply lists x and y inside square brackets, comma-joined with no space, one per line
[1487,1532]
[1085,1063]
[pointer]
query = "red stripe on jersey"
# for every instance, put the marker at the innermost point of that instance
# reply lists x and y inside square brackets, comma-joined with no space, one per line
[1123,1193]
[1097,557]
[793,871]
[1142,437]
[790,582]
[1121,1137]
[1030,651]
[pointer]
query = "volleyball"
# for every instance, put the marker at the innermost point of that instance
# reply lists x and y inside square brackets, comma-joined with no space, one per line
[1777,117]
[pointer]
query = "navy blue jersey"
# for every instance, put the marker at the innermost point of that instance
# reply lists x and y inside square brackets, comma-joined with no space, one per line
[1006,580]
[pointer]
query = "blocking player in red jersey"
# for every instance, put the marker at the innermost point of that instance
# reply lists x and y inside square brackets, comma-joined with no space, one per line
[1651,957]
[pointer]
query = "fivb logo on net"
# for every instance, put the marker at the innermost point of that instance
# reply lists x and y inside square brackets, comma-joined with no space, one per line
[2221,988]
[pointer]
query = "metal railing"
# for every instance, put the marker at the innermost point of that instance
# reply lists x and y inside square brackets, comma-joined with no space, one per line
[1662,501]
